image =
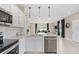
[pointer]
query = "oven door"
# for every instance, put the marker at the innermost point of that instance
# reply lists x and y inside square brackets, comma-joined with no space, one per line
[15,50]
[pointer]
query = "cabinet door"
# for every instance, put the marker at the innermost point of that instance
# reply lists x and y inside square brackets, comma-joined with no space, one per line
[35,44]
[21,20]
[5,7]
[15,13]
[21,45]
[39,44]
[30,45]
[18,16]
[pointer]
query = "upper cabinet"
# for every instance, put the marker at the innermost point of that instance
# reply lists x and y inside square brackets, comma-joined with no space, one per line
[6,7]
[21,19]
[18,15]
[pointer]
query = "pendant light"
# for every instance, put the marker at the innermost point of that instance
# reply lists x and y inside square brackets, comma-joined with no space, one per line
[39,12]
[49,16]
[48,11]
[29,12]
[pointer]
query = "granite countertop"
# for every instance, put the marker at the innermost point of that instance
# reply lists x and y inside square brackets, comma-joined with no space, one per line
[7,43]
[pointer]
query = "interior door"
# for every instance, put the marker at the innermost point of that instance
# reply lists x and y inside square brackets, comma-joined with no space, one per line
[75,30]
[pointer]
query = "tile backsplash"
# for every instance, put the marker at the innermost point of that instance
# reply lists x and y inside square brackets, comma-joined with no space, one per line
[9,32]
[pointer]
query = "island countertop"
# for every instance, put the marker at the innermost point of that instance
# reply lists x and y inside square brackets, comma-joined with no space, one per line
[7,43]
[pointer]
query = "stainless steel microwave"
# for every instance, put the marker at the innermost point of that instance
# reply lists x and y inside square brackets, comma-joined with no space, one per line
[5,17]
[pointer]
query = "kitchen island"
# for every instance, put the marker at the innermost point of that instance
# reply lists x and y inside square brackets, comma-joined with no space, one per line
[37,44]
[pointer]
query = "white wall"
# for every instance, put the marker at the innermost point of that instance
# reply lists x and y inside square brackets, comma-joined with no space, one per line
[71,33]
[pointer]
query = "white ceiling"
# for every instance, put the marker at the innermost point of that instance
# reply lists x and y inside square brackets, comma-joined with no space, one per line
[58,11]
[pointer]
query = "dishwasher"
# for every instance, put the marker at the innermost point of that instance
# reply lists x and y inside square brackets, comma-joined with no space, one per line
[50,44]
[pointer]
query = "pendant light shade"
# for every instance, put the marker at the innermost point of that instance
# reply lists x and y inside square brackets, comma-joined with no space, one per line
[29,12]
[48,11]
[39,12]
[49,16]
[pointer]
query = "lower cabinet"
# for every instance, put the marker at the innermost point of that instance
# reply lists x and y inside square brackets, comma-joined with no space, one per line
[15,50]
[35,44]
[41,44]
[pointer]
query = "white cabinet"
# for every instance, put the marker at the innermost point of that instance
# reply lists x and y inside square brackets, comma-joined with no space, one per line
[34,44]
[21,19]
[39,43]
[30,44]
[15,14]
[21,45]
[6,7]
[18,16]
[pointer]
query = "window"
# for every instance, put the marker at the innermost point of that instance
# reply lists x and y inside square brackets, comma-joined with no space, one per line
[42,27]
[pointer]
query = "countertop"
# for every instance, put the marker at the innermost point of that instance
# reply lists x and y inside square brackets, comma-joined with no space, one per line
[7,43]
